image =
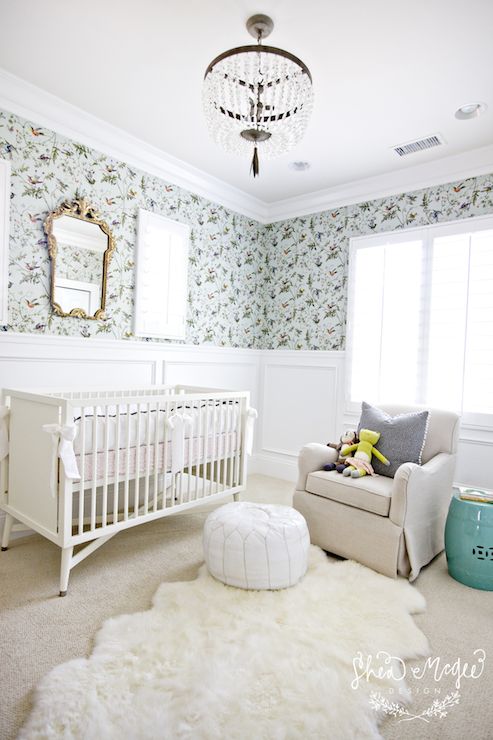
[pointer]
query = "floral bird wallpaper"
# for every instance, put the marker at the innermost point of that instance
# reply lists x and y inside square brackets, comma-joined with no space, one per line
[79,264]
[269,287]
[306,259]
[225,259]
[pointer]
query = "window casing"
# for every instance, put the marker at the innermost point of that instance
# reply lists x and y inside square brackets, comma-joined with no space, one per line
[161,277]
[420,318]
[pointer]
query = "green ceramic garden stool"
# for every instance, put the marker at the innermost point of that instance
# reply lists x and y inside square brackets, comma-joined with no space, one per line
[469,542]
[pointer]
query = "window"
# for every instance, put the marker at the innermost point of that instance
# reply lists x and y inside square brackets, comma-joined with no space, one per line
[4,236]
[420,318]
[161,277]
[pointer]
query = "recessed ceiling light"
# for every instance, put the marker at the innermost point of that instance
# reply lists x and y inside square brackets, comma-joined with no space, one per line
[470,110]
[299,166]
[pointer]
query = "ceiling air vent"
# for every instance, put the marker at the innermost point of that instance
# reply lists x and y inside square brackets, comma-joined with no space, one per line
[429,142]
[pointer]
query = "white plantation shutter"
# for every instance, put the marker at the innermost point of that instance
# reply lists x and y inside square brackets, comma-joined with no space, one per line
[478,381]
[383,319]
[420,318]
[448,321]
[161,277]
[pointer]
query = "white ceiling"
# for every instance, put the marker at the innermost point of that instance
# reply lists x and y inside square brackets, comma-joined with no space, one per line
[384,72]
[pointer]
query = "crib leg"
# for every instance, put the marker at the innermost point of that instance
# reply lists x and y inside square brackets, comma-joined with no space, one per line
[65,569]
[236,496]
[7,528]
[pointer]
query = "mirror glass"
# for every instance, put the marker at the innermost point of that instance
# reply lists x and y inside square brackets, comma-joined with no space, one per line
[80,248]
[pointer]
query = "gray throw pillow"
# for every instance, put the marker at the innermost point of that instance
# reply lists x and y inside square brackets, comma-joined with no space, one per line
[402,437]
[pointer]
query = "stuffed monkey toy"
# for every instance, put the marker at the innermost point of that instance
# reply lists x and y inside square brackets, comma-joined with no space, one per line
[347,439]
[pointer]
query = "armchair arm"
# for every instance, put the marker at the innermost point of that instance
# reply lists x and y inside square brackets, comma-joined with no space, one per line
[313,457]
[422,492]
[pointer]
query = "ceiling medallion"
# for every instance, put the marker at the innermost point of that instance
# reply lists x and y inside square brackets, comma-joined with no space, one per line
[257,96]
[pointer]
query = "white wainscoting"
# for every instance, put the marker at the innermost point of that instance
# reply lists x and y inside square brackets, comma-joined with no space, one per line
[67,362]
[28,361]
[300,402]
[298,394]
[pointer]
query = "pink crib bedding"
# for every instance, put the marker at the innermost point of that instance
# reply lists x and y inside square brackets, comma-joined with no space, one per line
[143,458]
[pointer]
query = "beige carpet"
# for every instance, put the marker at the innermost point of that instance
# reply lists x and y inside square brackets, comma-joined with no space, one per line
[38,630]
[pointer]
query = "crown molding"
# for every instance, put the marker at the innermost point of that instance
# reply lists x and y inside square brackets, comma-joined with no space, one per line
[438,172]
[35,104]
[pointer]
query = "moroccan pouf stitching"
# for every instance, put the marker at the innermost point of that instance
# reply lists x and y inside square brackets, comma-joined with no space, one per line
[256,546]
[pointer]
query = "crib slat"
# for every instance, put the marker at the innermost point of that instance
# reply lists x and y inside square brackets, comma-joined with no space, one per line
[239,440]
[180,474]
[104,511]
[197,453]
[156,456]
[82,466]
[218,445]
[116,481]
[165,450]
[226,444]
[175,480]
[127,461]
[229,464]
[213,447]
[234,410]
[94,465]
[173,475]
[221,443]
[190,448]
[148,459]
[205,450]
[137,463]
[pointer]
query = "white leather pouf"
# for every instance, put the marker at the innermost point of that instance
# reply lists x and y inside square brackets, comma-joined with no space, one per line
[256,546]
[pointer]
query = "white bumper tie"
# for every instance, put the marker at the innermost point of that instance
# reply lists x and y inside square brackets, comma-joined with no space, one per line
[63,447]
[178,424]
[249,429]
[4,431]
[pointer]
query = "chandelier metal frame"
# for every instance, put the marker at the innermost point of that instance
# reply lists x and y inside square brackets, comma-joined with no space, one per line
[264,100]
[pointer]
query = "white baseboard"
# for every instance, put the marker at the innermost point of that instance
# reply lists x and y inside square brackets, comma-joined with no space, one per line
[15,534]
[275,466]
[299,395]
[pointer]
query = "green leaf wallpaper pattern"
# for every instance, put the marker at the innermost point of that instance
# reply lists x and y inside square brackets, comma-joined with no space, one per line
[283,285]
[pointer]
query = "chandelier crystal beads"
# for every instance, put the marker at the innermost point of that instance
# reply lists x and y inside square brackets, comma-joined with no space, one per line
[257,99]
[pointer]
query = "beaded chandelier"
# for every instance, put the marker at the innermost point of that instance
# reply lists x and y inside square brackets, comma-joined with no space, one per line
[257,97]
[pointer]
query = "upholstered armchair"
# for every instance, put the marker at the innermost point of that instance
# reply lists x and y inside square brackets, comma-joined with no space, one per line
[393,525]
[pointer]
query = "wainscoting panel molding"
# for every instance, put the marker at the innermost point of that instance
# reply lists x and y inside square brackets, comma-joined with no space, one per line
[232,373]
[299,395]
[299,403]
[70,362]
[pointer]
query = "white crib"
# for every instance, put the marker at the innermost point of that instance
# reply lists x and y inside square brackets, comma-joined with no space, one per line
[83,465]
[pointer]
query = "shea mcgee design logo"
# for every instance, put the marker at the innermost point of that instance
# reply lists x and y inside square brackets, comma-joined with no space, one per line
[390,669]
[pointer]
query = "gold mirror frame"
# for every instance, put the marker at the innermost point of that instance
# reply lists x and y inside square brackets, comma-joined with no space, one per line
[78,208]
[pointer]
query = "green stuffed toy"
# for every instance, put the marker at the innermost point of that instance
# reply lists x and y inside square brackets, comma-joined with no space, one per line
[364,450]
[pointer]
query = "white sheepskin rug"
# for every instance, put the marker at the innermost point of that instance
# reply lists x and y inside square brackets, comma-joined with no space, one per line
[216,662]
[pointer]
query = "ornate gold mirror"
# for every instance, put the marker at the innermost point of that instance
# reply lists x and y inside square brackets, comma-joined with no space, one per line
[80,245]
